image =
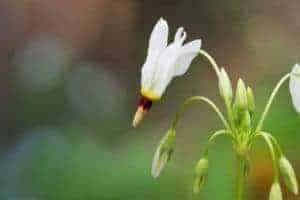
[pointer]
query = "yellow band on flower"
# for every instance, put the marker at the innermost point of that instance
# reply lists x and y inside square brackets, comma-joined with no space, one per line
[149,94]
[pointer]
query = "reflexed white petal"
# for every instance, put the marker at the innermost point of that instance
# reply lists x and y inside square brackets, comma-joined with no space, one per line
[157,43]
[180,35]
[188,52]
[295,87]
[165,68]
[159,38]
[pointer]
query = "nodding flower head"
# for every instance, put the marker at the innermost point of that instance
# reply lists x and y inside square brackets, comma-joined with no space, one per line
[295,86]
[163,63]
[200,174]
[163,152]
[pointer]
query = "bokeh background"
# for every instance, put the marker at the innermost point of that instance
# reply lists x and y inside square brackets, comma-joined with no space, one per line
[69,82]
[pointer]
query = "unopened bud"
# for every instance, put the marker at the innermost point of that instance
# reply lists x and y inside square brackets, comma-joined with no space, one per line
[225,86]
[251,100]
[163,152]
[288,175]
[245,120]
[275,192]
[200,174]
[241,96]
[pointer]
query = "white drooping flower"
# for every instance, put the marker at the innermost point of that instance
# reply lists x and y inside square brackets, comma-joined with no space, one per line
[165,61]
[295,86]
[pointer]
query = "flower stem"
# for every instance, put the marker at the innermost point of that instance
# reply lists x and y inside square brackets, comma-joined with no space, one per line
[270,101]
[213,137]
[217,70]
[240,164]
[211,60]
[197,99]
[268,139]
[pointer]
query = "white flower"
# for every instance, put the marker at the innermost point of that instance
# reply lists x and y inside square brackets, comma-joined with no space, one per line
[295,86]
[165,61]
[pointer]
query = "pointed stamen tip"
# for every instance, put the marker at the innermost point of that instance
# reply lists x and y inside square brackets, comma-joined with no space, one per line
[138,117]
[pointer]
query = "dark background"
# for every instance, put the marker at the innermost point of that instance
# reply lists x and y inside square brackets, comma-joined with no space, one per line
[69,83]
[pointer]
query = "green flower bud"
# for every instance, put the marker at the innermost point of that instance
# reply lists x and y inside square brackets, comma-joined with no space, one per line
[225,86]
[288,175]
[275,192]
[251,100]
[163,152]
[200,174]
[245,120]
[241,96]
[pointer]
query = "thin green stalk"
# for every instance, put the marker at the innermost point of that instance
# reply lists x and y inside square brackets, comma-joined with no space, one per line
[211,60]
[230,117]
[240,178]
[269,103]
[213,137]
[197,99]
[268,141]
[217,70]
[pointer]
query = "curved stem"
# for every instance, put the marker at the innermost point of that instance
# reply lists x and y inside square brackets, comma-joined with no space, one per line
[274,142]
[211,60]
[217,70]
[269,103]
[268,141]
[213,137]
[197,99]
[230,116]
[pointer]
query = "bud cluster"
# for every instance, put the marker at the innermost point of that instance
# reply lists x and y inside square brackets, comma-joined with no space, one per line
[239,125]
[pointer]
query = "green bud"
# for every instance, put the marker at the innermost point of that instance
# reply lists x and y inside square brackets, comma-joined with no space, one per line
[201,167]
[251,100]
[225,86]
[163,152]
[245,120]
[200,174]
[241,96]
[288,175]
[275,192]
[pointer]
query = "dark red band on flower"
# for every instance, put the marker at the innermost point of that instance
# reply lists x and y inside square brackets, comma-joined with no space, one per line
[145,103]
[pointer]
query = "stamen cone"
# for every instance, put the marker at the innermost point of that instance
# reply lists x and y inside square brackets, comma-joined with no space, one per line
[143,107]
[139,115]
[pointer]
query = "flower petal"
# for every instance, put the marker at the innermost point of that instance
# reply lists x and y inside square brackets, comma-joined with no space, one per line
[188,52]
[295,87]
[180,35]
[159,38]
[165,68]
[157,43]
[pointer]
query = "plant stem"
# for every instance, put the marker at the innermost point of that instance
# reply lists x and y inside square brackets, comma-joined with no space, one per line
[199,99]
[211,60]
[268,139]
[240,163]
[269,103]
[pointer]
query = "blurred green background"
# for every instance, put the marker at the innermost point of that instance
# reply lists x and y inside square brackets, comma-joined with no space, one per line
[69,83]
